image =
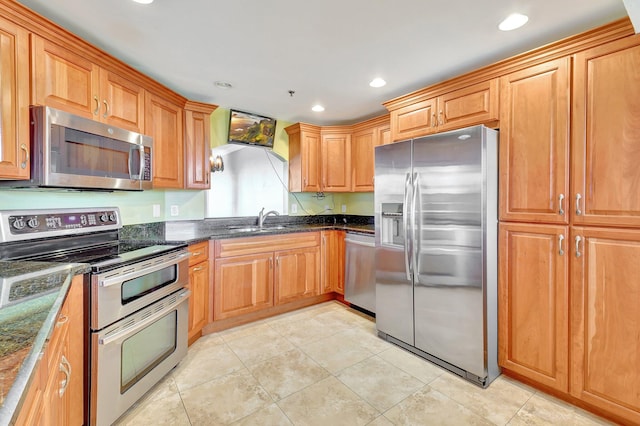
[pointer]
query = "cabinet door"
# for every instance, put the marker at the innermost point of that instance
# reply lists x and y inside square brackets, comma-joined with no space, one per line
[605,306]
[197,150]
[332,262]
[14,104]
[336,162]
[63,79]
[534,144]
[243,284]
[606,135]
[121,102]
[311,154]
[199,299]
[297,274]
[362,159]
[163,121]
[533,321]
[465,107]
[414,120]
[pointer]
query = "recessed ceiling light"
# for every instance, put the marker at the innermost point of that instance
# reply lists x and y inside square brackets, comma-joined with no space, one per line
[377,82]
[222,85]
[143,1]
[317,108]
[513,21]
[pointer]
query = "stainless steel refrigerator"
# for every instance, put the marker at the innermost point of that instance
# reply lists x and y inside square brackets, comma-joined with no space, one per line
[436,201]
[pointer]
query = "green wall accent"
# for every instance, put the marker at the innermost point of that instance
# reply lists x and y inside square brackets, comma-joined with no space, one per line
[137,207]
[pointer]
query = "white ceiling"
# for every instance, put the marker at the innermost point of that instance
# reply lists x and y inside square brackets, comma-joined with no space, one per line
[326,51]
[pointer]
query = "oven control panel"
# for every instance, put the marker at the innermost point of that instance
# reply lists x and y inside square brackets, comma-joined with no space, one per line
[24,224]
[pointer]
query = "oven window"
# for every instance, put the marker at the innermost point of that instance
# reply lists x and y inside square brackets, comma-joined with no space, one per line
[138,287]
[79,153]
[147,348]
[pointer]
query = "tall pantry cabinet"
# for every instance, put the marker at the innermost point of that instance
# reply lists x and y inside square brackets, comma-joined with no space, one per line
[570,227]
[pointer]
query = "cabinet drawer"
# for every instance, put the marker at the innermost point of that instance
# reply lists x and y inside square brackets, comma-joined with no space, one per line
[267,243]
[199,252]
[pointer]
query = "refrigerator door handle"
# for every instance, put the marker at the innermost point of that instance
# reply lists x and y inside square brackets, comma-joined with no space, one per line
[416,211]
[405,224]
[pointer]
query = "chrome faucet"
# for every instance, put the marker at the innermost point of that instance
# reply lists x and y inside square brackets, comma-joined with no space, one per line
[262,216]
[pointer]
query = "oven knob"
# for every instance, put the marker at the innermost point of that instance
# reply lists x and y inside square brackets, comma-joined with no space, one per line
[19,223]
[112,217]
[104,217]
[33,222]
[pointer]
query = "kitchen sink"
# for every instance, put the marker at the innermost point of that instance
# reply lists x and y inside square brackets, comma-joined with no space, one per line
[255,228]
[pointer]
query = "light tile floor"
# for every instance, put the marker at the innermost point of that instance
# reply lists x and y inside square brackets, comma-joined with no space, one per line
[324,365]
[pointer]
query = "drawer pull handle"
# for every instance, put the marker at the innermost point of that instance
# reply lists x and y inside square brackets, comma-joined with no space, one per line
[561,204]
[196,253]
[65,367]
[198,268]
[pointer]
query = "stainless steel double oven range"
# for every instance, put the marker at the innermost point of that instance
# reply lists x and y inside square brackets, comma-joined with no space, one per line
[136,302]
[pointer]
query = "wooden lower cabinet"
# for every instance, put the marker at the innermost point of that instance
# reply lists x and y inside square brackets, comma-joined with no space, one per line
[297,274]
[256,273]
[56,394]
[243,284]
[533,321]
[333,257]
[605,320]
[199,286]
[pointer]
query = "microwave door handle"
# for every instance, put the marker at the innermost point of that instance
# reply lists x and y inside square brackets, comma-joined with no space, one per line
[141,148]
[182,297]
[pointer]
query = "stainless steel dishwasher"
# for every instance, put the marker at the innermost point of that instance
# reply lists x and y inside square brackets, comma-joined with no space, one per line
[360,271]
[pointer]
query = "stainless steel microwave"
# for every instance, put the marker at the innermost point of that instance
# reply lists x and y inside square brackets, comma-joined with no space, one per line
[68,151]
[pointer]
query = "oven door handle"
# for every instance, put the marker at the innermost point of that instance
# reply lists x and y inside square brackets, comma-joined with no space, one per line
[118,278]
[182,297]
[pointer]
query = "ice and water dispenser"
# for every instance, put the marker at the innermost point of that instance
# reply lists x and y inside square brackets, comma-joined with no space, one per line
[392,228]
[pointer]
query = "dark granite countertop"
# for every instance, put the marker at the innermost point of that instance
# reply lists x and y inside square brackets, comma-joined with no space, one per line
[31,295]
[194,231]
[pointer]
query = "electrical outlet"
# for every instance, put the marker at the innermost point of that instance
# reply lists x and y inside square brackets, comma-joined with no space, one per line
[294,208]
[175,210]
[344,208]
[156,210]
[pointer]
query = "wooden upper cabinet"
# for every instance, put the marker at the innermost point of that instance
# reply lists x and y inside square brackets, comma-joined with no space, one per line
[68,81]
[14,104]
[475,104]
[605,291]
[534,144]
[336,161]
[197,145]
[606,135]
[533,287]
[413,120]
[121,102]
[63,79]
[163,122]
[304,158]
[365,137]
